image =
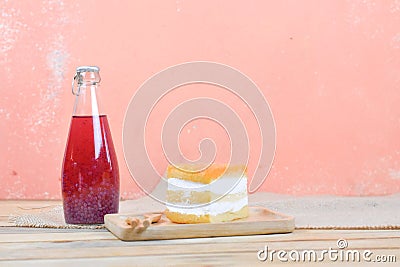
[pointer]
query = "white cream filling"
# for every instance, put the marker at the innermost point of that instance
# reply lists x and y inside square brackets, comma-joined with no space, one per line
[213,209]
[221,186]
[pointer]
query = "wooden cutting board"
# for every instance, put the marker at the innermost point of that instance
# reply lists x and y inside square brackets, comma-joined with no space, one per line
[260,221]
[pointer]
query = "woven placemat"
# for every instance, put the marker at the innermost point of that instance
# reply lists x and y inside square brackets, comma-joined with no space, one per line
[47,217]
[310,212]
[335,212]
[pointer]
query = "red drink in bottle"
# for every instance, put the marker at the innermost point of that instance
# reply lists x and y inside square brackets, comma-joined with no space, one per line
[90,176]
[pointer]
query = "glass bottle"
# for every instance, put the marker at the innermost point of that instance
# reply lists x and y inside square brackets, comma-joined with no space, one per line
[90,175]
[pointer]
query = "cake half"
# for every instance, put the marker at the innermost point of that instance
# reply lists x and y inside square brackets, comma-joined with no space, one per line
[216,194]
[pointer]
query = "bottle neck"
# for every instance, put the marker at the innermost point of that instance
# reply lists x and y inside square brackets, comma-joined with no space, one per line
[87,100]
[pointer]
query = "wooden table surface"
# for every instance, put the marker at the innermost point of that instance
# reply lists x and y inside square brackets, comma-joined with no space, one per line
[67,247]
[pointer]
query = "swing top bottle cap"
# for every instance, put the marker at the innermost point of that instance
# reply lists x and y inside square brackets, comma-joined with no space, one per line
[86,75]
[87,69]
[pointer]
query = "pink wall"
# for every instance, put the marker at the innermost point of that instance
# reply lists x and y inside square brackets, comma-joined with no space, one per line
[329,69]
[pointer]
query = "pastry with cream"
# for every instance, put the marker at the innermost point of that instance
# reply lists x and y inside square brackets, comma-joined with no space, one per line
[215,194]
